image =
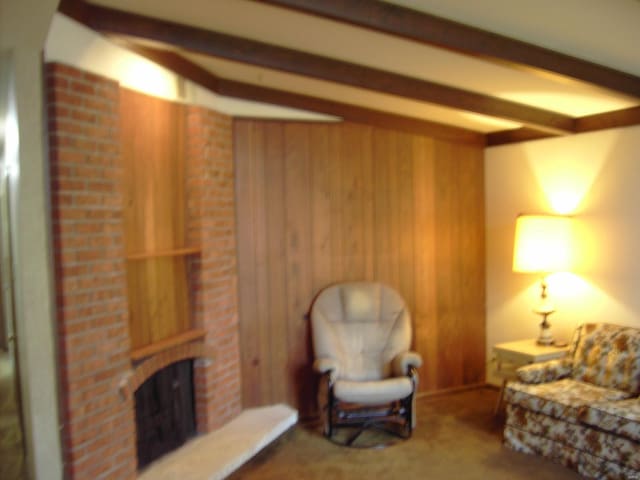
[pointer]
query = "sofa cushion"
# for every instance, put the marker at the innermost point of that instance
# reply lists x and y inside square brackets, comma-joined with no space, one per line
[621,417]
[561,399]
[608,356]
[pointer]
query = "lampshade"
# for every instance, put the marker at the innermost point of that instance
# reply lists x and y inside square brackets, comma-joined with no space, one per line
[542,244]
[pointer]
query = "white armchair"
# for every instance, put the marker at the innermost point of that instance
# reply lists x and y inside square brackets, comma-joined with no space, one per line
[361,337]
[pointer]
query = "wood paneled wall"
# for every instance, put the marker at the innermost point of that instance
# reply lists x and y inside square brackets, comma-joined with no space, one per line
[323,203]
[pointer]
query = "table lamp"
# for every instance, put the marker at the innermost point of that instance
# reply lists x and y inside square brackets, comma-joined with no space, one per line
[542,245]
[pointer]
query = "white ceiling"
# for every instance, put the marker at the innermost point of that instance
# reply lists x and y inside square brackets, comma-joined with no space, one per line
[602,31]
[605,32]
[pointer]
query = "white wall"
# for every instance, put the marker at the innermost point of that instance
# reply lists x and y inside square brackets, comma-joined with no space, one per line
[594,177]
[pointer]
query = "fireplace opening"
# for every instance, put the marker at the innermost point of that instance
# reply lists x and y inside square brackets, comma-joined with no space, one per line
[165,411]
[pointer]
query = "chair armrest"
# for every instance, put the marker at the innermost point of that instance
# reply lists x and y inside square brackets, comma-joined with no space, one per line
[327,365]
[403,362]
[543,372]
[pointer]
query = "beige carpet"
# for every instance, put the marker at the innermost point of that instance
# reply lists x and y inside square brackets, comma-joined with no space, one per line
[457,438]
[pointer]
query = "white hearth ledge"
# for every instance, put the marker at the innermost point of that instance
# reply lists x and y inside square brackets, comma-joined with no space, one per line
[217,454]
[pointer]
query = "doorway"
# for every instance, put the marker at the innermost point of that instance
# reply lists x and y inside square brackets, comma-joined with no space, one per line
[12,451]
[12,465]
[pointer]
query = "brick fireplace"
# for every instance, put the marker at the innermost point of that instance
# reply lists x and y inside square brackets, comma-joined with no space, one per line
[98,377]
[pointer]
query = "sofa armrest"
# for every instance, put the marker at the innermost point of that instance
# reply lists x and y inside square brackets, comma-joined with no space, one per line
[403,362]
[543,372]
[326,365]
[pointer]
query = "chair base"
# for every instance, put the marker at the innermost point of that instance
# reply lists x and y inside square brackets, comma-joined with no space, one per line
[370,434]
[347,424]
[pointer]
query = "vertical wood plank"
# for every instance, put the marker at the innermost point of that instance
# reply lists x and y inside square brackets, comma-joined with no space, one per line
[276,257]
[352,202]
[335,182]
[368,202]
[381,152]
[450,323]
[298,243]
[425,313]
[262,325]
[321,191]
[405,226]
[472,244]
[393,212]
[247,307]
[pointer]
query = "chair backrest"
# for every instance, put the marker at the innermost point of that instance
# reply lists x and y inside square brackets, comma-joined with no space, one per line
[608,356]
[363,325]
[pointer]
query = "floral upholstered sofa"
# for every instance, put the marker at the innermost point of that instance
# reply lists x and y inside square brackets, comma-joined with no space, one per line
[582,410]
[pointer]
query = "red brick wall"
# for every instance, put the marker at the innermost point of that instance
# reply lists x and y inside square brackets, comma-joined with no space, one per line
[211,225]
[97,377]
[98,425]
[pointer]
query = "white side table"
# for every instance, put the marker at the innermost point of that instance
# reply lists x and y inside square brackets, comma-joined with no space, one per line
[510,356]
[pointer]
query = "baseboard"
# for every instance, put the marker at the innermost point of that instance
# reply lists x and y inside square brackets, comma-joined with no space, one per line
[445,391]
[311,421]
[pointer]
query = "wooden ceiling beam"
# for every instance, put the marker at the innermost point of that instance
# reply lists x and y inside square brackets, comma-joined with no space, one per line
[232,88]
[625,117]
[283,59]
[429,29]
[616,119]
[517,135]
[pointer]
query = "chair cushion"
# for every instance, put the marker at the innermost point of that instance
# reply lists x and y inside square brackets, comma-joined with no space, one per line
[608,356]
[621,417]
[561,399]
[361,302]
[373,392]
[363,325]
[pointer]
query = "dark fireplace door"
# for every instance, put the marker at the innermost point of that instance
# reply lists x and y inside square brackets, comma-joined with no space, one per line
[165,414]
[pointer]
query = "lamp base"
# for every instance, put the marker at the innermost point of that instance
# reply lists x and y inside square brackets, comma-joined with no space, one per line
[545,337]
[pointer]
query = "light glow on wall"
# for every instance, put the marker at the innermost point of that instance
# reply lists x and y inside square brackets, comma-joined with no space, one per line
[566,183]
[580,300]
[568,286]
[542,244]
[566,175]
[74,44]
[140,74]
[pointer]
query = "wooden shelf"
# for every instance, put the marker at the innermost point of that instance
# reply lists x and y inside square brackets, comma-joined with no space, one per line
[167,343]
[164,253]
